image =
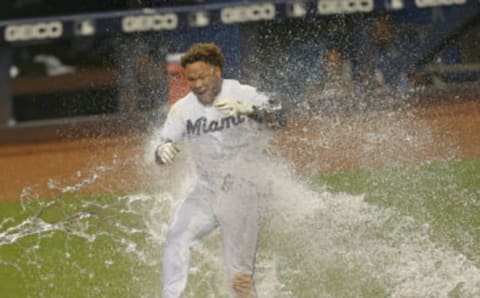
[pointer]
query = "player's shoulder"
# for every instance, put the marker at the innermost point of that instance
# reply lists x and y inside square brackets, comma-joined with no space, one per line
[181,105]
[233,84]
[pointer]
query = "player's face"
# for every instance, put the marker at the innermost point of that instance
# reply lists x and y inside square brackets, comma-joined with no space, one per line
[204,79]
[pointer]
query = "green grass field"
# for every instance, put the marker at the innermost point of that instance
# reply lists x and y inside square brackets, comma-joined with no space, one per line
[444,195]
[404,232]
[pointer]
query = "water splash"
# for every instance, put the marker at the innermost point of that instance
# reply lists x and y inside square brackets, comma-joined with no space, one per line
[314,243]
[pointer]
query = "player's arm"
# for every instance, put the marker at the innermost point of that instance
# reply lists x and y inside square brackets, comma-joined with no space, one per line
[270,113]
[172,132]
[265,111]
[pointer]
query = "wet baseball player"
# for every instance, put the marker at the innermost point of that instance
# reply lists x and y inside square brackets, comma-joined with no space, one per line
[221,120]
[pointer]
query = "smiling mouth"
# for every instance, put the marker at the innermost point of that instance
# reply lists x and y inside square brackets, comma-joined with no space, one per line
[204,97]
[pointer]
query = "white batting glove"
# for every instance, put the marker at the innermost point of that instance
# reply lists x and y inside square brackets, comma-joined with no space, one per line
[165,153]
[231,107]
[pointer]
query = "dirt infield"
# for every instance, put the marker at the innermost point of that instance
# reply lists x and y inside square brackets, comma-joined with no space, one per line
[443,131]
[43,169]
[448,130]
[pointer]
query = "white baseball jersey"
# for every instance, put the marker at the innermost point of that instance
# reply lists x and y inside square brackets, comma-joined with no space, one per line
[214,137]
[220,147]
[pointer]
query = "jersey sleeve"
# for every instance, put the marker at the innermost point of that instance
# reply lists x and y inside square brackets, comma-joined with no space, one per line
[173,129]
[266,109]
[252,95]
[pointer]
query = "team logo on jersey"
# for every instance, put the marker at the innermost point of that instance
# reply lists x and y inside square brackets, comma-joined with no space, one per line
[201,125]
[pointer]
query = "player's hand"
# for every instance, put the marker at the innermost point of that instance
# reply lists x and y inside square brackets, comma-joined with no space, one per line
[231,107]
[165,153]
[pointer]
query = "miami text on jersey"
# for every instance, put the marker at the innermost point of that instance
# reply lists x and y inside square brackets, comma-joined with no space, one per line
[202,124]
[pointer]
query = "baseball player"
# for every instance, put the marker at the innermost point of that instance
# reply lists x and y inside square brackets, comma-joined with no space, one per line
[220,119]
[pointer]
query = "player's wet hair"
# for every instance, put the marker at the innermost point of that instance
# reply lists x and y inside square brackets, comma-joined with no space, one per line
[206,52]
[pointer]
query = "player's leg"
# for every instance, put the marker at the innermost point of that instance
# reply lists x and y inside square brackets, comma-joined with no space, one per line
[193,220]
[239,217]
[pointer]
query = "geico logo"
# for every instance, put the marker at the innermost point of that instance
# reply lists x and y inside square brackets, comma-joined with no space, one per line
[150,22]
[425,3]
[344,6]
[33,31]
[258,12]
